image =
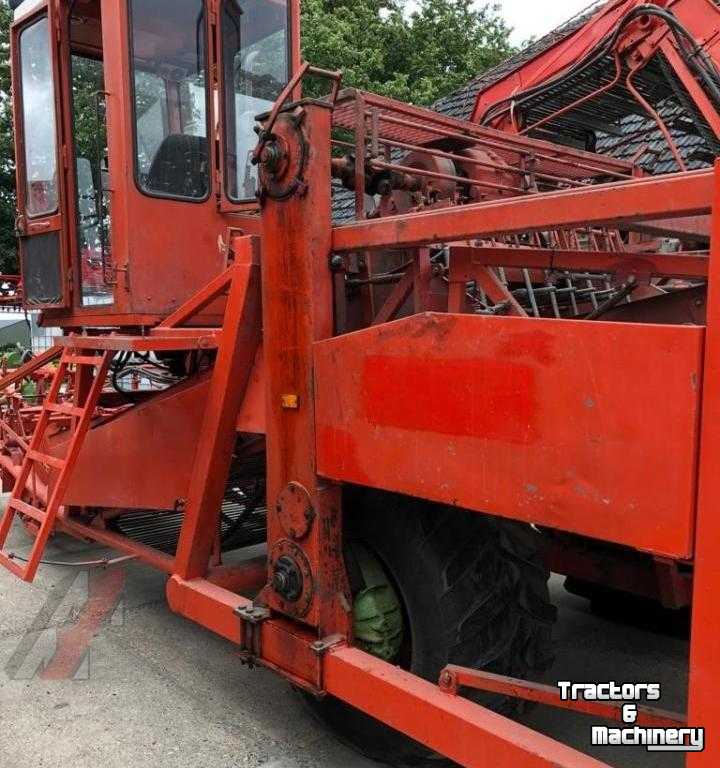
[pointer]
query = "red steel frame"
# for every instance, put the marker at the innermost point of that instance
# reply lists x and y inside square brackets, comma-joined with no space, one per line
[699,16]
[453,726]
[290,325]
[344,457]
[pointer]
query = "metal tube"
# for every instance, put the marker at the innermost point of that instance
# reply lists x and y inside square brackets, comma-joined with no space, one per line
[473,161]
[443,176]
[498,145]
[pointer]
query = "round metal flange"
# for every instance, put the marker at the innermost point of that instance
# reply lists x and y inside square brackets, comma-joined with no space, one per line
[293,576]
[295,510]
[283,158]
[287,580]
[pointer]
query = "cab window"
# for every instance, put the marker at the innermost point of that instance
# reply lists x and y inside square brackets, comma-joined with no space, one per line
[39,121]
[93,203]
[255,61]
[170,98]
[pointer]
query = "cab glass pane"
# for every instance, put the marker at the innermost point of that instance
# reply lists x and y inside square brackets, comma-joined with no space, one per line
[255,60]
[169,79]
[39,122]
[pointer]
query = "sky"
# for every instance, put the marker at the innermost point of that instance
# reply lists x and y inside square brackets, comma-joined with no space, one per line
[533,18]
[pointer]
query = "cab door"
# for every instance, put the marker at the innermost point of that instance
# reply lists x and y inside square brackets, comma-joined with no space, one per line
[39,158]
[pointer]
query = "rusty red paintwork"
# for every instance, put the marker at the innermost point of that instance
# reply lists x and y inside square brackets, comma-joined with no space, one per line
[508,417]
[412,406]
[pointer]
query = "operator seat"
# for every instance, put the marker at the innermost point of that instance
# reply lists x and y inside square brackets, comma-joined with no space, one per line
[180,167]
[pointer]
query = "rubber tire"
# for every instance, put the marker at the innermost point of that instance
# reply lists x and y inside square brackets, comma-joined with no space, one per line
[475,593]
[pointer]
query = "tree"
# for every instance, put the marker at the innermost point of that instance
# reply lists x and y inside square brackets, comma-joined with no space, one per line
[417,56]
[8,244]
[450,43]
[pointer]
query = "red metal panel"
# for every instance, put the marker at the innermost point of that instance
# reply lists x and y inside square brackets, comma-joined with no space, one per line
[144,455]
[585,427]
[252,411]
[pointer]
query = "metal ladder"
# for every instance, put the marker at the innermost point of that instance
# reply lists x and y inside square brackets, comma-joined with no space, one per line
[81,413]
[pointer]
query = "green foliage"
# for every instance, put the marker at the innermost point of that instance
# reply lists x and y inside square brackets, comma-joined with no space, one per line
[8,246]
[13,355]
[88,109]
[416,57]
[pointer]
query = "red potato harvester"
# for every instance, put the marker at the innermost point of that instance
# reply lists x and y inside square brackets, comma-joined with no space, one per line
[499,362]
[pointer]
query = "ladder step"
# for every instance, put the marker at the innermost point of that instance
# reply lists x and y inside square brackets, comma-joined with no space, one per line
[25,509]
[13,566]
[43,458]
[47,517]
[94,362]
[66,409]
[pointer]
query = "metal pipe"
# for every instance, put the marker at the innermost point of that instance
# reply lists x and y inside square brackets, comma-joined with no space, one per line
[608,87]
[656,117]
[504,148]
[152,557]
[479,163]
[381,164]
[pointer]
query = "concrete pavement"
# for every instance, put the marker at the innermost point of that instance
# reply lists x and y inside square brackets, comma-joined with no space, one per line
[156,691]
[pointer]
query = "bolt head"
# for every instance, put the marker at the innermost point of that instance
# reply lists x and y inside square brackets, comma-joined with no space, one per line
[287,579]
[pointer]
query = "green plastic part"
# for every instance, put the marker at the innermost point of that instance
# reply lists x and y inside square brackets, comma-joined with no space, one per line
[377,612]
[28,389]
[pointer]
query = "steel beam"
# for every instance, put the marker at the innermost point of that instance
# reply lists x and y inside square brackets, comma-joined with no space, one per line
[660,197]
[690,265]
[297,301]
[704,704]
[455,727]
[236,356]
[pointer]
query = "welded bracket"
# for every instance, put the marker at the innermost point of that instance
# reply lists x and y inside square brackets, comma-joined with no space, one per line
[251,617]
[321,647]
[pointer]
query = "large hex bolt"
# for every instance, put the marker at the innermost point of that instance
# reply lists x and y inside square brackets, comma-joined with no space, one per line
[287,579]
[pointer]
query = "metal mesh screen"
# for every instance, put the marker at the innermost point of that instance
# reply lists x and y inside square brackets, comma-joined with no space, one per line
[41,270]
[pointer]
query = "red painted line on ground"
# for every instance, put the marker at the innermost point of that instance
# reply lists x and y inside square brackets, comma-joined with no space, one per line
[105,590]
